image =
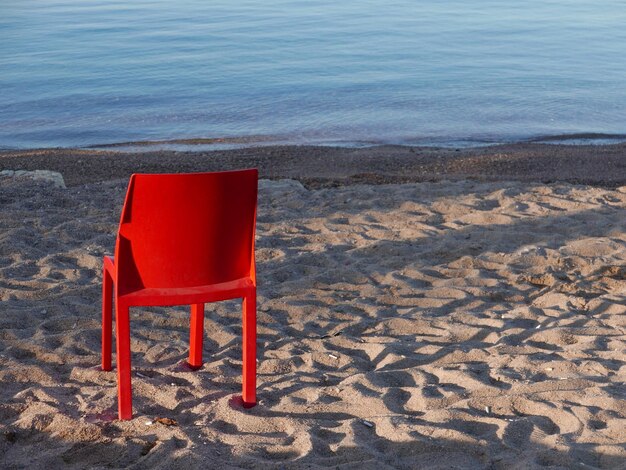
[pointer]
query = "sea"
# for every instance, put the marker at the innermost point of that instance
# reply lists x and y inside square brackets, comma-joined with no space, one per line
[220,73]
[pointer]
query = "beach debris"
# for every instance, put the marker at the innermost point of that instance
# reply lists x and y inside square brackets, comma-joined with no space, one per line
[332,356]
[139,374]
[549,369]
[148,423]
[330,335]
[166,421]
[367,423]
[488,410]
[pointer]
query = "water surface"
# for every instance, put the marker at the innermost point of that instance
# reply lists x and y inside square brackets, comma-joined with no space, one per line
[91,72]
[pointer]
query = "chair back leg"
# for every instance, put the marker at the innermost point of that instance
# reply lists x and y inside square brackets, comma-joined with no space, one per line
[196,335]
[249,350]
[107,320]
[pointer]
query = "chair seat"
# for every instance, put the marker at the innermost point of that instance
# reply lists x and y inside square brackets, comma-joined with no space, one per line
[188,295]
[154,296]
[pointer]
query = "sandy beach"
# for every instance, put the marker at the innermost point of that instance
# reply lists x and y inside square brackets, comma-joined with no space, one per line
[417,308]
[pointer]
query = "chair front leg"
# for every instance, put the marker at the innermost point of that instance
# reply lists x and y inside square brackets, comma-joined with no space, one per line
[107,320]
[196,335]
[249,350]
[122,334]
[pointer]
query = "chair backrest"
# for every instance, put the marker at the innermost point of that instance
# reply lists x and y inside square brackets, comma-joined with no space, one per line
[186,230]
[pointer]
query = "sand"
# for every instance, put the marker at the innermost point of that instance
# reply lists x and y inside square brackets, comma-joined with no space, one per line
[447,324]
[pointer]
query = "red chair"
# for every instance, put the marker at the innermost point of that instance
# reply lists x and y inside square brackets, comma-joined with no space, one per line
[183,239]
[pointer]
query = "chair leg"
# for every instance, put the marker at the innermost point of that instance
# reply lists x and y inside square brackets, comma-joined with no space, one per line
[122,336]
[196,334]
[249,351]
[107,321]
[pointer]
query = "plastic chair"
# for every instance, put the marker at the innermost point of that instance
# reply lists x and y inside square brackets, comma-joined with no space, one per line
[183,239]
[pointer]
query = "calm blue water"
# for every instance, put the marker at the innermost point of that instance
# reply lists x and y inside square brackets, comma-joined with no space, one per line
[84,72]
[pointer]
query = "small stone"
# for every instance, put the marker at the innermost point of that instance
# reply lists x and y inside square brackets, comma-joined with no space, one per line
[53,177]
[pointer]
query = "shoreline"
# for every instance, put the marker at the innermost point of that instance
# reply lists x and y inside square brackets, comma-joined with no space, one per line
[323,166]
[208,144]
